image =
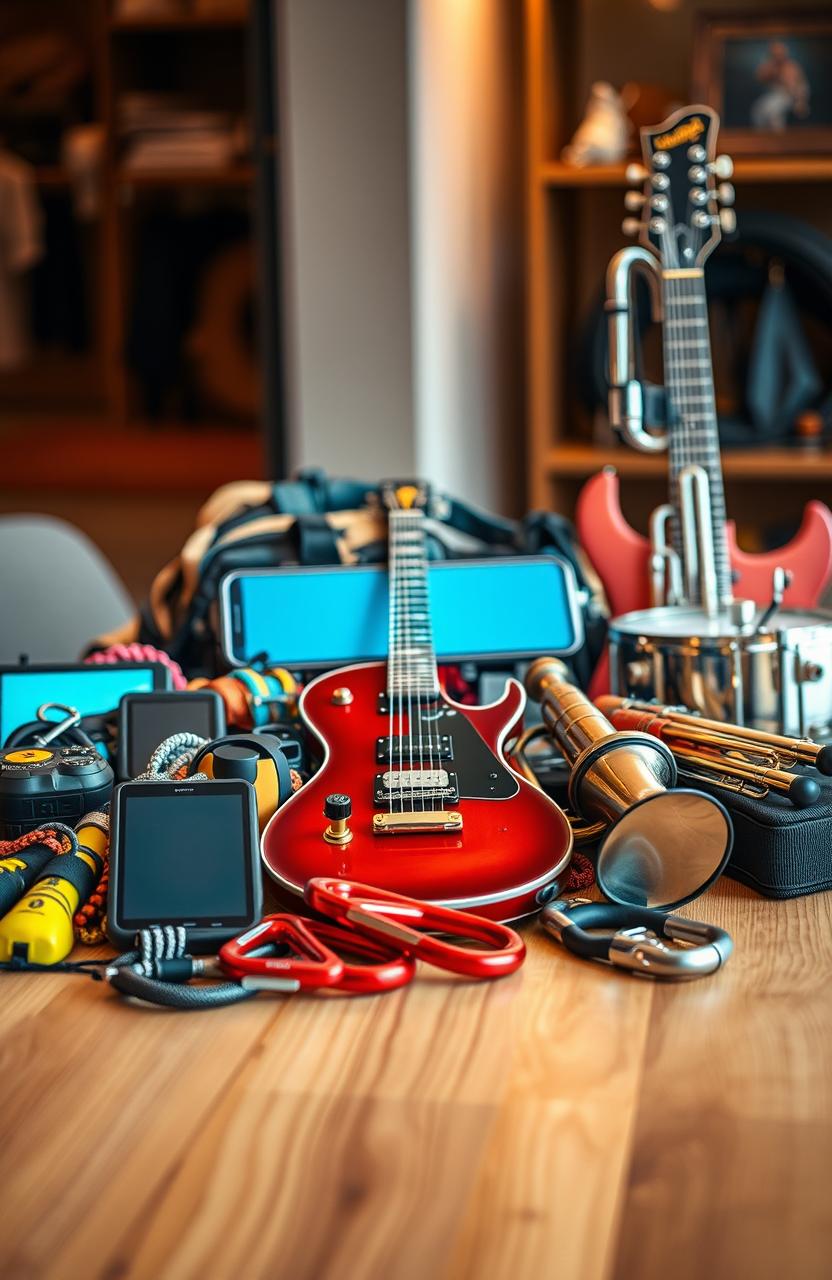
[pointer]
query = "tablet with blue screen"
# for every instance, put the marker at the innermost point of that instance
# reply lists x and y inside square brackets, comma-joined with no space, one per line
[482,610]
[92,689]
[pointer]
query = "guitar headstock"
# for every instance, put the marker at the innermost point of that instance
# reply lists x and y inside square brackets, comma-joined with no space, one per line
[683,208]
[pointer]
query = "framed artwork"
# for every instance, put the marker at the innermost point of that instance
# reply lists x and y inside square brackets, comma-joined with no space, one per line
[770,79]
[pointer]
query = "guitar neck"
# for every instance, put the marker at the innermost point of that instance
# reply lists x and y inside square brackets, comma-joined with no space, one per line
[694,434]
[411,661]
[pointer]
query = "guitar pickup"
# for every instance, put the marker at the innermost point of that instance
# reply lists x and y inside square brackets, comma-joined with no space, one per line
[404,788]
[419,749]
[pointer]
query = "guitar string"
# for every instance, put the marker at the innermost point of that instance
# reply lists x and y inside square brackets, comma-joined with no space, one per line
[409,658]
[418,587]
[429,659]
[405,671]
[680,438]
[392,658]
[694,443]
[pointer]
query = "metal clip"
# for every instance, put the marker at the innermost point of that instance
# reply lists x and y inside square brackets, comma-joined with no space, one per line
[640,938]
[55,727]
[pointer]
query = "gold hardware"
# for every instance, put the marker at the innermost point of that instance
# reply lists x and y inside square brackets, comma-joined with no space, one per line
[342,696]
[683,273]
[395,824]
[338,832]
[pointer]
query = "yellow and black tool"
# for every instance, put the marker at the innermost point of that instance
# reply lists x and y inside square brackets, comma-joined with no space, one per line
[39,929]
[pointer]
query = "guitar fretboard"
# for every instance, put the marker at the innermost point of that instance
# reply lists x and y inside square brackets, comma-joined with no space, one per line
[411,662]
[694,435]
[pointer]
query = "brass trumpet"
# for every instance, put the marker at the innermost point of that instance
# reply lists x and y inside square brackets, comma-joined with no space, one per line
[659,847]
[746,761]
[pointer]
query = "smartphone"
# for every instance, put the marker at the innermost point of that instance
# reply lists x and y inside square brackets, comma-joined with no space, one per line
[91,688]
[311,619]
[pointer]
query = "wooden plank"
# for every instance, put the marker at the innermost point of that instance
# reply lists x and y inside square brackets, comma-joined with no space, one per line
[569,1119]
[574,459]
[733,1142]
[548,1196]
[788,169]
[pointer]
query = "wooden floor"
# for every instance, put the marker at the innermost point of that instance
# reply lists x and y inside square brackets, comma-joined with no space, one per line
[567,1122]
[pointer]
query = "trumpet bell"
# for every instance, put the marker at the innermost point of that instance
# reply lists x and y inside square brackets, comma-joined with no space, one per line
[665,850]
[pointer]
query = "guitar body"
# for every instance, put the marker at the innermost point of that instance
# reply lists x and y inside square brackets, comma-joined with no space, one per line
[514,841]
[621,558]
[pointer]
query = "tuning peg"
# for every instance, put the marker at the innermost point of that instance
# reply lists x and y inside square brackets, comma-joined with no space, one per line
[723,167]
[633,201]
[635,173]
[697,153]
[728,221]
[725,193]
[661,160]
[696,174]
[631,226]
[698,195]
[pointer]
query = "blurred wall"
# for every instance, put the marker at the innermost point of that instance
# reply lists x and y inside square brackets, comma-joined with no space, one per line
[467,183]
[403,222]
[343,77]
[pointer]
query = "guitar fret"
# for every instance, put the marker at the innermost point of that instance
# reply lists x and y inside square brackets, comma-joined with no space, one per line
[689,381]
[411,662]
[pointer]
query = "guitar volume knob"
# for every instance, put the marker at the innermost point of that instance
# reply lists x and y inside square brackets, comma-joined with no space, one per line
[338,809]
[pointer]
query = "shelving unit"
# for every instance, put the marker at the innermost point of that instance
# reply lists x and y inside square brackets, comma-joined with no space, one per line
[574,227]
[78,419]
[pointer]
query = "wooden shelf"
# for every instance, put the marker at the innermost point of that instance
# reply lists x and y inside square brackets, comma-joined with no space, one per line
[746,169]
[241,175]
[167,458]
[181,22]
[577,461]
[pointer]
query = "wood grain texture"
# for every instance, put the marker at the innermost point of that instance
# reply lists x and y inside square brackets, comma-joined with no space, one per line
[568,1120]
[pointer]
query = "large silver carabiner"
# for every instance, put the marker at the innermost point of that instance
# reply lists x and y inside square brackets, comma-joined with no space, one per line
[636,938]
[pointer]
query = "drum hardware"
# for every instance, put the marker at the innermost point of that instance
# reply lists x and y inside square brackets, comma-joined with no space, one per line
[637,939]
[659,848]
[775,677]
[784,752]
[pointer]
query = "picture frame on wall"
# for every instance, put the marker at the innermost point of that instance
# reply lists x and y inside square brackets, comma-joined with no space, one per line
[768,77]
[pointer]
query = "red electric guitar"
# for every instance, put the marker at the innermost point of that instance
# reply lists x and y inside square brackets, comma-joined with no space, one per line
[678,233]
[413,793]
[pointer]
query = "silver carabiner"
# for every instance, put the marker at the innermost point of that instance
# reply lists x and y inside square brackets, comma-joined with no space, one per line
[56,727]
[636,938]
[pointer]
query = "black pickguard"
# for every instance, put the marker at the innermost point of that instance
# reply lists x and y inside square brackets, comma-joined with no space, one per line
[480,775]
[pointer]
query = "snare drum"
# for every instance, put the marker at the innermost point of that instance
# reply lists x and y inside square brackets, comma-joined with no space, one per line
[778,680]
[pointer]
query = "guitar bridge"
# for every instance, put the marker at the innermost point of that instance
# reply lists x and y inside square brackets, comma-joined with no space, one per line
[400,824]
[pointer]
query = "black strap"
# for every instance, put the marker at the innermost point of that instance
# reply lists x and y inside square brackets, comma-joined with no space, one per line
[173,995]
[76,871]
[610,917]
[316,540]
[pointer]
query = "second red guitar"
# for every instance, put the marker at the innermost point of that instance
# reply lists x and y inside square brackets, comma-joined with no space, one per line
[678,230]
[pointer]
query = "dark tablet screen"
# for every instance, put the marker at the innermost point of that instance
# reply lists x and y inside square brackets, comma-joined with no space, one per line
[151,719]
[184,855]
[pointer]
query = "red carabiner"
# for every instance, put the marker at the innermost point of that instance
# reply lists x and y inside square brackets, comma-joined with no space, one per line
[310,966]
[391,916]
[389,966]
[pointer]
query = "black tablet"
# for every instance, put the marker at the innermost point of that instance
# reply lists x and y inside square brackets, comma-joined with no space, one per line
[146,719]
[184,853]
